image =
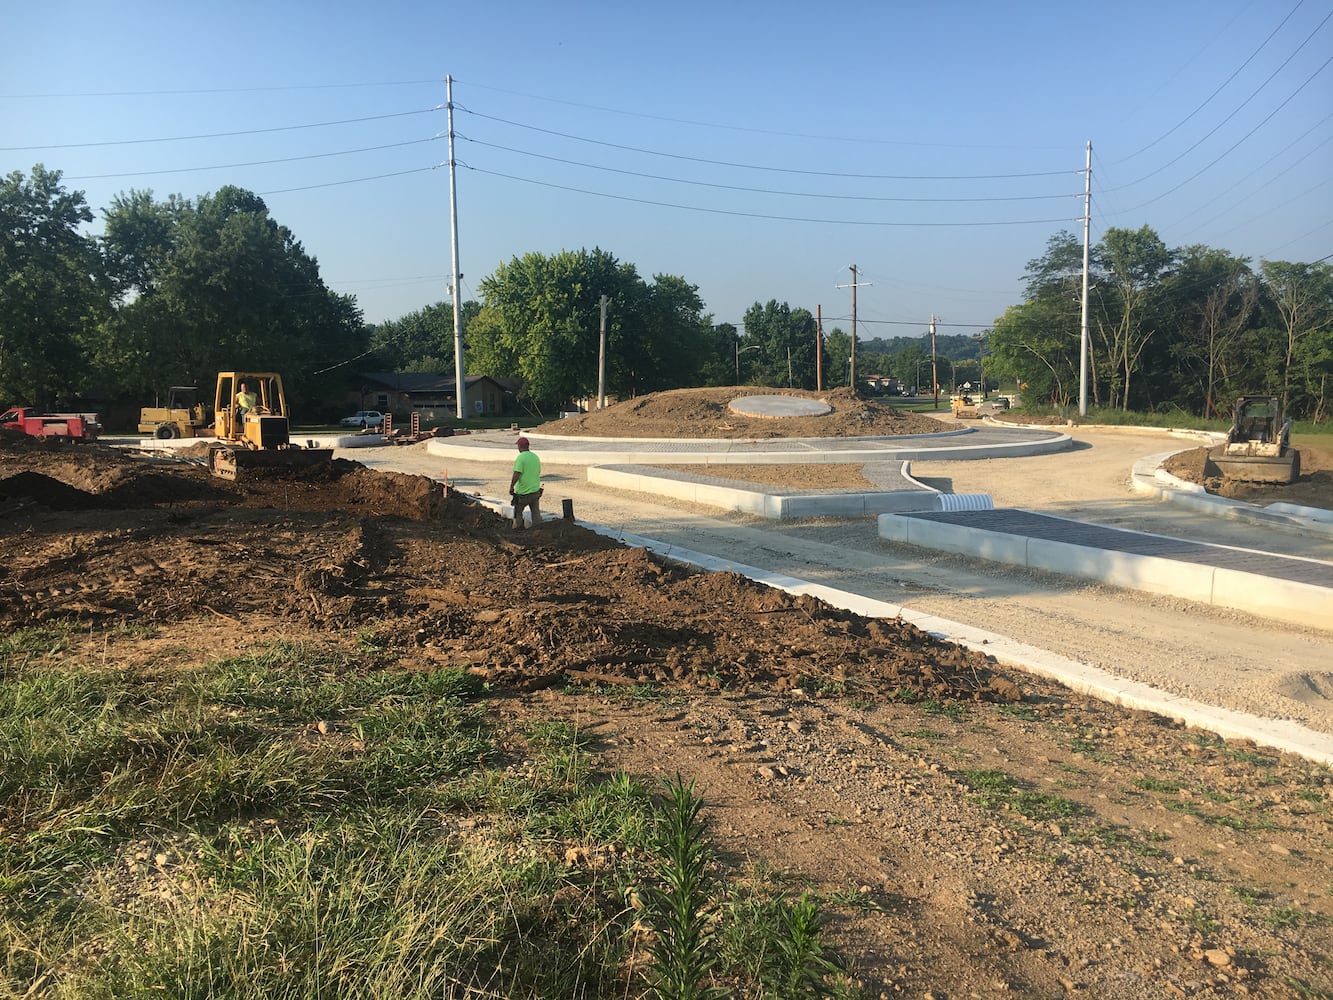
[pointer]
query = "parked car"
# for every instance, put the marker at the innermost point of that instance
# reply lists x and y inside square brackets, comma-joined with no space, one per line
[363,419]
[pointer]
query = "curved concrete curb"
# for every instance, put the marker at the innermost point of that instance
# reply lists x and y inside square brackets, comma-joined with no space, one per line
[1149,478]
[556,450]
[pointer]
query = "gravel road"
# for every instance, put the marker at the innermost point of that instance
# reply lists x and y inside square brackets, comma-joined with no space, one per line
[1220,657]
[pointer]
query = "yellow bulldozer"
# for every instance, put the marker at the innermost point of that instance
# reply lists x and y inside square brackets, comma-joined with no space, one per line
[251,423]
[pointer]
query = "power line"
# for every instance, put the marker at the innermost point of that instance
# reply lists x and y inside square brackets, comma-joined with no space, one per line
[910,322]
[765,167]
[219,90]
[1219,89]
[1291,165]
[352,180]
[755,215]
[1253,94]
[220,135]
[1230,149]
[745,128]
[252,163]
[738,187]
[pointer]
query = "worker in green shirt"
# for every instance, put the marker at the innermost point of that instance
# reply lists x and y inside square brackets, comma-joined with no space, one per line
[525,486]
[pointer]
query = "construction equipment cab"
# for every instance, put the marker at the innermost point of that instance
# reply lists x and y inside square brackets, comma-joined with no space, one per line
[250,420]
[1258,446]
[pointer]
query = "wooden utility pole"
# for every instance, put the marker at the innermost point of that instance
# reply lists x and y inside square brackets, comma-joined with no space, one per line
[459,372]
[851,362]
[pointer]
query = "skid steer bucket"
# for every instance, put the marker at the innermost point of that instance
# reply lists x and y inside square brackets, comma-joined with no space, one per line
[1258,446]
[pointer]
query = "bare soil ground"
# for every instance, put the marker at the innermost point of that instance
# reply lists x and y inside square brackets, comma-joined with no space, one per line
[987,833]
[1314,488]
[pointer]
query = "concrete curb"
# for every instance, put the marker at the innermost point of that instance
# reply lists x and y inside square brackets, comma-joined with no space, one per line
[1080,677]
[306,440]
[1285,600]
[773,506]
[1148,478]
[795,451]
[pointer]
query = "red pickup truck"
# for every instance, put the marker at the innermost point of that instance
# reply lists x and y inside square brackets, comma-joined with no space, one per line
[26,420]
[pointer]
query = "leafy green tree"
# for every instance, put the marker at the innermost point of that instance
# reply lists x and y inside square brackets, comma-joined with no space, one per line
[1214,296]
[1037,343]
[1300,297]
[217,284]
[673,341]
[720,362]
[52,293]
[423,340]
[1034,345]
[541,320]
[837,355]
[786,338]
[1132,263]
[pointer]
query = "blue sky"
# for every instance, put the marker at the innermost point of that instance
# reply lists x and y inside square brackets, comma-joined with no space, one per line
[756,149]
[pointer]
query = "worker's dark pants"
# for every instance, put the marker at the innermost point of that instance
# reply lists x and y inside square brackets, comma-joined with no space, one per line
[531,502]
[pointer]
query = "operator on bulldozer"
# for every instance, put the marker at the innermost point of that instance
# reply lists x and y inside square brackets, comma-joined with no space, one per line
[253,429]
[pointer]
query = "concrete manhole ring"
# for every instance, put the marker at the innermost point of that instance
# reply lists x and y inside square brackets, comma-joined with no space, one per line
[779,406]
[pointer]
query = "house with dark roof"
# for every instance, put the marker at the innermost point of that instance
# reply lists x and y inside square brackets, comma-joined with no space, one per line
[434,396]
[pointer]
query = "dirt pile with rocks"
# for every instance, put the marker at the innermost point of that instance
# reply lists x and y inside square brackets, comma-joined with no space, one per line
[704,413]
[975,832]
[1314,487]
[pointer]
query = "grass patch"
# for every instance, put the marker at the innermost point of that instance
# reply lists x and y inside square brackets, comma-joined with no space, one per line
[1290,916]
[1156,785]
[997,790]
[318,824]
[949,709]
[1114,837]
[1089,748]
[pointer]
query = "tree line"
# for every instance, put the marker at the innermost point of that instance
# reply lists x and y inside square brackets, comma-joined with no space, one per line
[174,290]
[170,293]
[1191,327]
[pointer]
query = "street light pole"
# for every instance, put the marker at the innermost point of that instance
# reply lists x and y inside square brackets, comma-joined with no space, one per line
[917,379]
[739,351]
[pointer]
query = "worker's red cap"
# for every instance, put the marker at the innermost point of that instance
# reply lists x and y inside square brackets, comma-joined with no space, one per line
[522,442]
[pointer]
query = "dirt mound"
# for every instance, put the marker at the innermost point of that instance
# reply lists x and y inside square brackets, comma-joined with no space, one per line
[338,546]
[703,413]
[1314,488]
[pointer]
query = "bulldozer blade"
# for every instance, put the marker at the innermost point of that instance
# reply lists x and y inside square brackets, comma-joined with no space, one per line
[238,463]
[1282,469]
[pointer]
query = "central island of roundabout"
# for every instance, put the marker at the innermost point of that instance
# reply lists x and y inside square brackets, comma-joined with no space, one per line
[643,464]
